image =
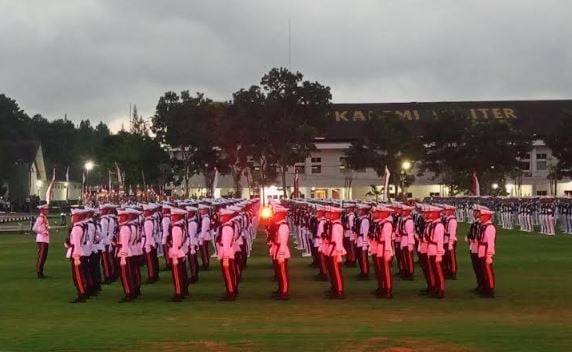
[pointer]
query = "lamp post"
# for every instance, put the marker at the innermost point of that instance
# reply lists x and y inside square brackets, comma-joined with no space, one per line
[88,167]
[405,167]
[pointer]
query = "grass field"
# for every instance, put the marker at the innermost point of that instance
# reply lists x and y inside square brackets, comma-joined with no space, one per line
[532,311]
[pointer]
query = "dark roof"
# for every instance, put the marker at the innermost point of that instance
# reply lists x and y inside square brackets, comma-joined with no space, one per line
[534,116]
[22,151]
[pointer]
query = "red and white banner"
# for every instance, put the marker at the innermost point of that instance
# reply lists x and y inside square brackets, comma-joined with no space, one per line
[50,186]
[476,187]
[215,182]
[296,184]
[119,178]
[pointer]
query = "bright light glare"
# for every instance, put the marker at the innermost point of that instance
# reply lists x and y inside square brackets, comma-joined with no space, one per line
[266,213]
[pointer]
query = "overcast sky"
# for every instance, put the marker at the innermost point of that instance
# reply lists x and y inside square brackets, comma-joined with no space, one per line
[91,59]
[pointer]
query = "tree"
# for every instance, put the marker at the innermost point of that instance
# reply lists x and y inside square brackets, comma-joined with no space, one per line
[137,124]
[560,142]
[140,158]
[386,141]
[245,139]
[294,113]
[14,127]
[191,125]
[456,144]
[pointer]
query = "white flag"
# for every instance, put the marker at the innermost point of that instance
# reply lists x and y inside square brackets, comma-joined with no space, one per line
[215,182]
[386,175]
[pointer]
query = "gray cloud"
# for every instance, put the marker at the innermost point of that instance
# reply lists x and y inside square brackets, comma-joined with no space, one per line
[93,58]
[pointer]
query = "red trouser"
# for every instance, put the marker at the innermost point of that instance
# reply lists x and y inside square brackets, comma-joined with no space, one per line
[42,256]
[126,279]
[166,256]
[135,271]
[237,266]
[478,272]
[193,266]
[450,259]
[399,257]
[108,264]
[436,269]
[87,272]
[363,261]
[205,255]
[281,273]
[384,277]
[336,275]
[78,278]
[408,259]
[323,264]
[375,265]
[151,262]
[229,276]
[488,274]
[178,277]
[350,249]
[429,278]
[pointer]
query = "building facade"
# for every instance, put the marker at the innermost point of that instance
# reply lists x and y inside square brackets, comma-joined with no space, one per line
[323,175]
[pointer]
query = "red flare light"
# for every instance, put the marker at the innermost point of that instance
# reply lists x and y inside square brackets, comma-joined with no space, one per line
[266,213]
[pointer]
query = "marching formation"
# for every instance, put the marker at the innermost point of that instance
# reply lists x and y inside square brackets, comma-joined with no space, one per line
[524,214]
[370,235]
[114,242]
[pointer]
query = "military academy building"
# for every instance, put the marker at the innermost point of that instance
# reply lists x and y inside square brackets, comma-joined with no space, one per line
[323,174]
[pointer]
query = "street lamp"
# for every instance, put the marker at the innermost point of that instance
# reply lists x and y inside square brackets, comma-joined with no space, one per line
[406,165]
[495,185]
[88,167]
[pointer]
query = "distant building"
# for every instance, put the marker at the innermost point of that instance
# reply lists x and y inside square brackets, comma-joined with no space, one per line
[323,175]
[28,179]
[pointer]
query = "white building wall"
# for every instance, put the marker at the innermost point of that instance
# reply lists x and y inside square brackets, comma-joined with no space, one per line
[325,177]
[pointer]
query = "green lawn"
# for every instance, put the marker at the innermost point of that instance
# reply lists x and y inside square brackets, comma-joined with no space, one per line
[532,311]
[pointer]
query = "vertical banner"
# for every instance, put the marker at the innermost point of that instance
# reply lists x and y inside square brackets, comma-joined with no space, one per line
[119,177]
[50,186]
[67,183]
[296,183]
[83,187]
[215,182]
[386,175]
[109,181]
[476,186]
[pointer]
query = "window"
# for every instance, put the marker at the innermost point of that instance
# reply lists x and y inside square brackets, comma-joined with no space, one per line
[541,156]
[541,193]
[300,168]
[541,165]
[568,193]
[316,166]
[434,194]
[343,161]
[525,165]
[527,156]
